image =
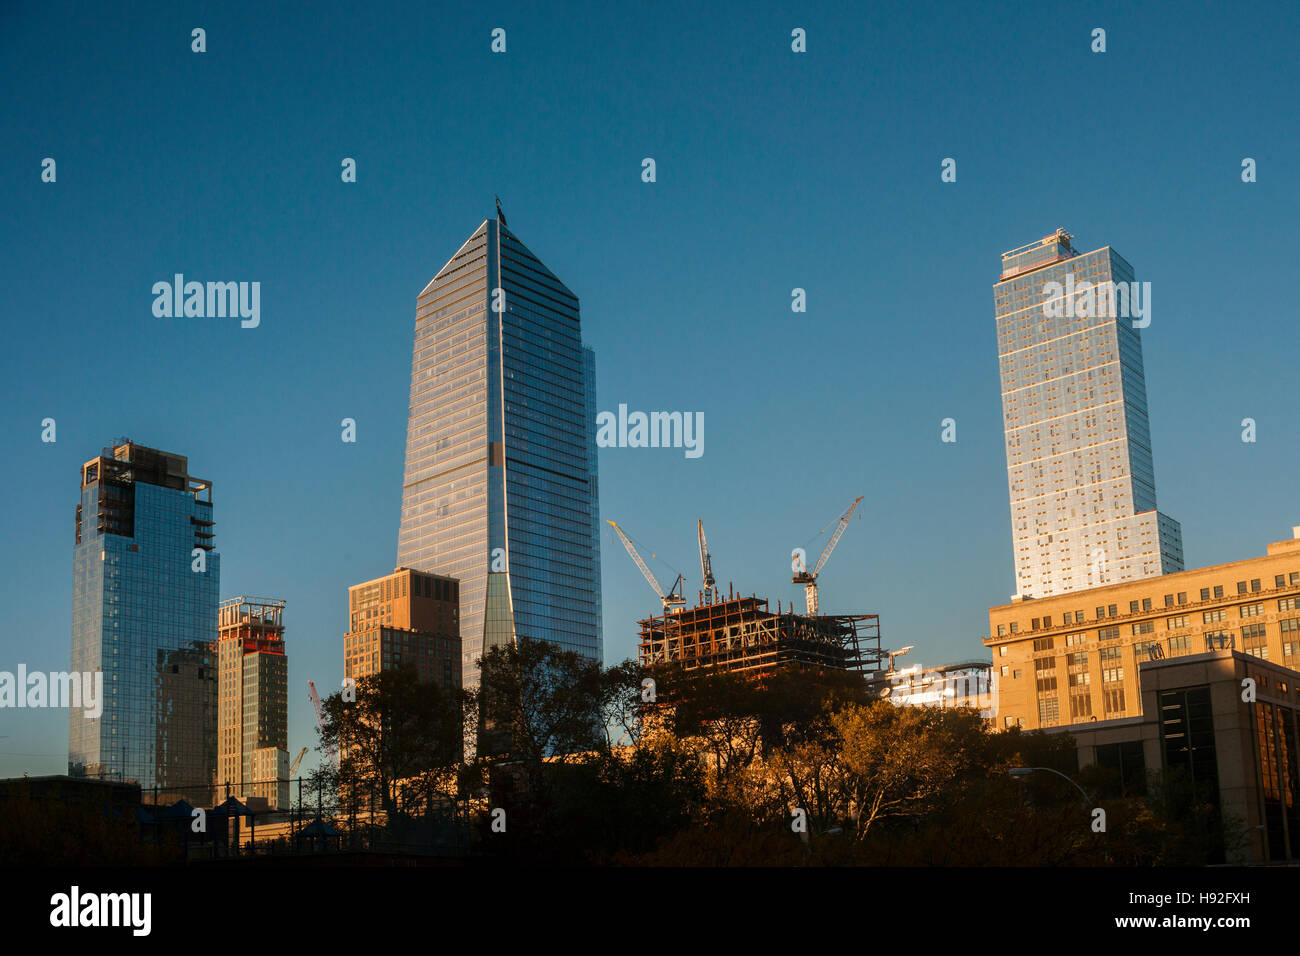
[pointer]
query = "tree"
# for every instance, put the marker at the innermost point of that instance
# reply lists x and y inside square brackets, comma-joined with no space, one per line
[399,733]
[538,701]
[905,756]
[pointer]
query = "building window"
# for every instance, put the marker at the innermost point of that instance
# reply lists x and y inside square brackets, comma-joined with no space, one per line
[1289,604]
[1252,610]
[1252,632]
[1111,653]
[1279,581]
[1180,643]
[1002,631]
[1101,612]
[1049,710]
[1132,607]
[1078,617]
[1107,633]
[1254,584]
[1241,587]
[1144,627]
[1114,700]
[1015,627]
[1080,706]
[1044,644]
[1218,590]
[1169,600]
[1182,597]
[1072,640]
[1112,610]
[1210,617]
[1002,650]
[1205,594]
[1174,623]
[1015,675]
[1005,670]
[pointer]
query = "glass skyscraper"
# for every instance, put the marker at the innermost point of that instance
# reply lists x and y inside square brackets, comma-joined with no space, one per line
[500,484]
[144,611]
[1074,405]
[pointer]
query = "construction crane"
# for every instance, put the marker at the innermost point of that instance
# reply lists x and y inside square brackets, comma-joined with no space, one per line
[294,769]
[706,566]
[330,752]
[809,578]
[673,600]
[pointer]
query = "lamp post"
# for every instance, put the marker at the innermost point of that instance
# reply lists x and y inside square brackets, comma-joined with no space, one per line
[1023,772]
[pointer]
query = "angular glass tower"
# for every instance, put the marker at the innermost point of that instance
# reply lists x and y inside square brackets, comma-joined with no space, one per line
[1074,405]
[500,483]
[145,616]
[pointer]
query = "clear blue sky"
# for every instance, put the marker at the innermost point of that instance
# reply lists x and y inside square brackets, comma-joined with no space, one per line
[775,170]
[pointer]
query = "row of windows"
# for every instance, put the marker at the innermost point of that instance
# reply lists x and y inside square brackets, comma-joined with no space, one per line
[1135,607]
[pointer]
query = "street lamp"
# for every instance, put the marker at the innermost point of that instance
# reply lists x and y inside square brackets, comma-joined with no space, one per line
[1026,771]
[1022,772]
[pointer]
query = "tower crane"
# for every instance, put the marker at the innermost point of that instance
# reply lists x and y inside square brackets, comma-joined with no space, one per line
[706,566]
[809,578]
[673,600]
[294,769]
[330,752]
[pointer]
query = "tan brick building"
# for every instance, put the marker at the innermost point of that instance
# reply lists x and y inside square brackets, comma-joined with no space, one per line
[1074,657]
[405,616]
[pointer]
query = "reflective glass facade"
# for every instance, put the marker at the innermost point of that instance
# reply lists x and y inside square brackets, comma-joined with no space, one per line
[1078,443]
[147,618]
[500,487]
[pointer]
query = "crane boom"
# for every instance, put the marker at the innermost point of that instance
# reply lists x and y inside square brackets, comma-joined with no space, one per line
[330,752]
[706,565]
[672,598]
[835,538]
[809,578]
[294,769]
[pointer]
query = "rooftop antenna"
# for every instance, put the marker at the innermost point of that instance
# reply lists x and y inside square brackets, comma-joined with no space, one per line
[500,214]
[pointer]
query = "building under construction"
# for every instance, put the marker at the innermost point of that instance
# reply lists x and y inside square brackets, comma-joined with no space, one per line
[741,634]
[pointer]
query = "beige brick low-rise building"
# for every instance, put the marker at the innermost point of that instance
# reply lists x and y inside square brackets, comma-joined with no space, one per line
[1073,658]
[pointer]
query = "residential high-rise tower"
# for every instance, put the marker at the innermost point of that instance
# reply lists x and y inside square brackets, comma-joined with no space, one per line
[1074,405]
[144,611]
[253,701]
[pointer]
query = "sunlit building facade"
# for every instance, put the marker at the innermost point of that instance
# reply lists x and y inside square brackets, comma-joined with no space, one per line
[407,617]
[144,611]
[1078,443]
[500,487]
[253,701]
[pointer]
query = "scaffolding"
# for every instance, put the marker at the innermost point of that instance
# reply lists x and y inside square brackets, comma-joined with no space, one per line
[741,634]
